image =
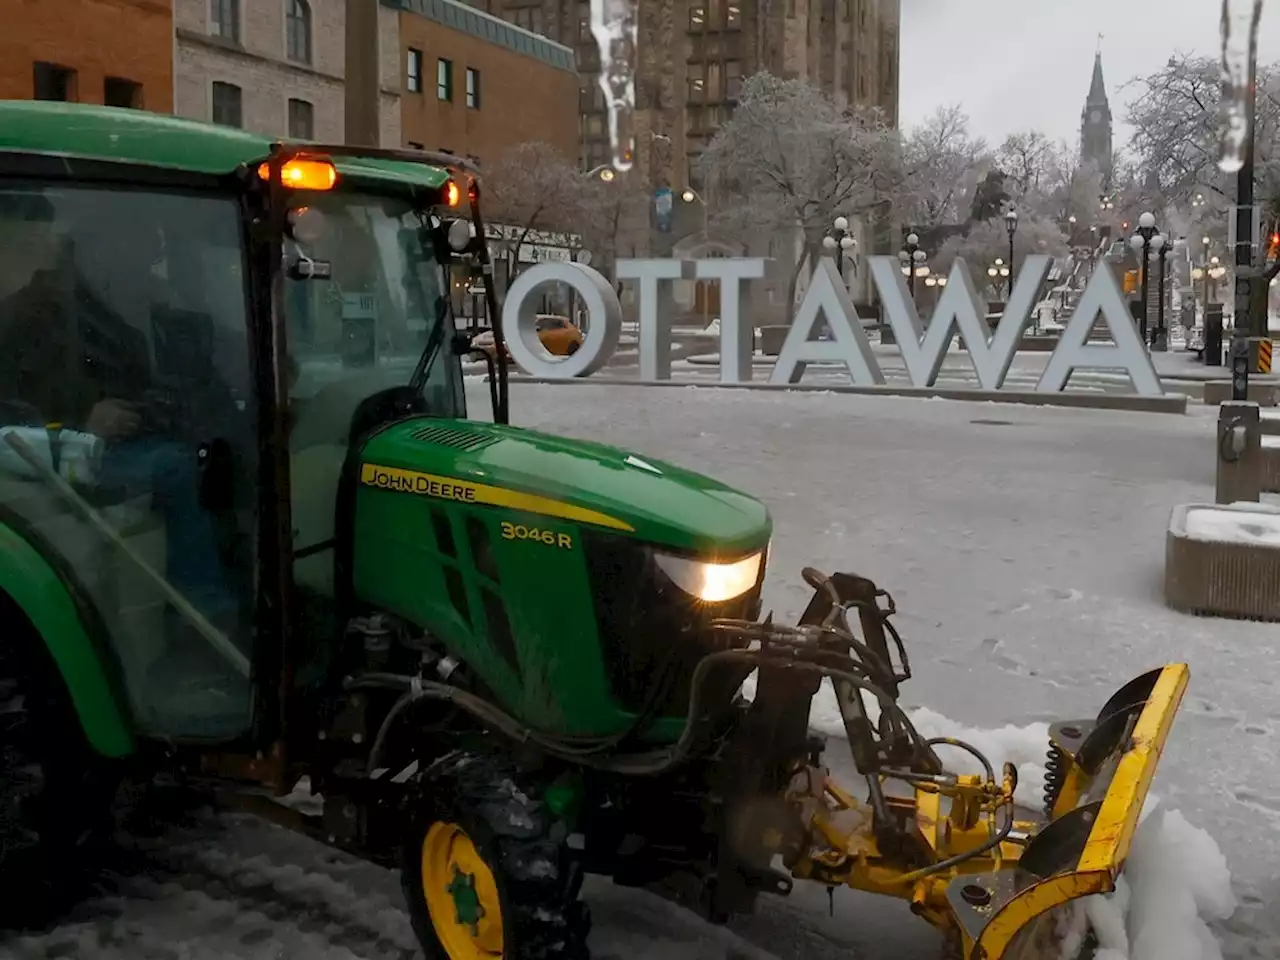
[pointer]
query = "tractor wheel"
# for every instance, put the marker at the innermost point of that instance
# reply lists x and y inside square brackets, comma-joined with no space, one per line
[54,802]
[486,871]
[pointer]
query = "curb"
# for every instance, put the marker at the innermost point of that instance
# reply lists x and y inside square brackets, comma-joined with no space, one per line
[1169,403]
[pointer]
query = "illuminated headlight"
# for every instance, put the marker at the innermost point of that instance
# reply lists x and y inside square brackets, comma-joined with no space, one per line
[708,581]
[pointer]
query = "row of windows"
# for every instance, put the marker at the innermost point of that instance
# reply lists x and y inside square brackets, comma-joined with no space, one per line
[225,19]
[227,103]
[715,15]
[50,81]
[444,78]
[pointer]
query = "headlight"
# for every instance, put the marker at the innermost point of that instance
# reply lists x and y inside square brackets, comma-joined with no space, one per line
[708,581]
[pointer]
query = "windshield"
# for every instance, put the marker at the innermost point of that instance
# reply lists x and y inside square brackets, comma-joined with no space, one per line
[364,327]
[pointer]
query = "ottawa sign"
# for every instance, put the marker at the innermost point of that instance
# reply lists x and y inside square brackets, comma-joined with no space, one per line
[923,348]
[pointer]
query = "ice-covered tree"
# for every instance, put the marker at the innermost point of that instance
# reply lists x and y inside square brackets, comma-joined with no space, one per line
[791,159]
[942,165]
[1176,131]
[988,240]
[534,187]
[1029,161]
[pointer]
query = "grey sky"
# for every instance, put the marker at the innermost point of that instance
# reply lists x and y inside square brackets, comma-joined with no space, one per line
[1021,64]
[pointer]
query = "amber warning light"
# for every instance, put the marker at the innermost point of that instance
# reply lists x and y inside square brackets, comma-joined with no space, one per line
[452,193]
[304,174]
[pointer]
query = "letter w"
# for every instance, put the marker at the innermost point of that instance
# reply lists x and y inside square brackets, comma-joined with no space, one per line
[959,308]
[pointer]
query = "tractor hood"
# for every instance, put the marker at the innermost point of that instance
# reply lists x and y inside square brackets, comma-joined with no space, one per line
[575,480]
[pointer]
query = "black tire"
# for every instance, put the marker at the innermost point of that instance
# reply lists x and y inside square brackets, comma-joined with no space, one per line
[55,797]
[520,841]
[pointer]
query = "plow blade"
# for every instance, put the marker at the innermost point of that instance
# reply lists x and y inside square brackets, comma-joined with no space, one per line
[1100,772]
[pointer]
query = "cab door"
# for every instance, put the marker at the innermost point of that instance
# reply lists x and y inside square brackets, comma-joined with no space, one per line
[127,432]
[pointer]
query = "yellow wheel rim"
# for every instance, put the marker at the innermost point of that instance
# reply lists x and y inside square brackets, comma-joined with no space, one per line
[461,895]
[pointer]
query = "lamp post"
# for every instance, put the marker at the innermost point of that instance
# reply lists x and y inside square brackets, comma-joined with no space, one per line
[1011,227]
[690,195]
[839,242]
[913,259]
[605,172]
[999,274]
[1160,336]
[1141,242]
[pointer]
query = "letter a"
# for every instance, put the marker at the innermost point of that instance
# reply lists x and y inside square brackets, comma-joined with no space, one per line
[1102,297]
[827,297]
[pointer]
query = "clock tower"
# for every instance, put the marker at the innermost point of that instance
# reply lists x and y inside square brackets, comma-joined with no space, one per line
[1095,124]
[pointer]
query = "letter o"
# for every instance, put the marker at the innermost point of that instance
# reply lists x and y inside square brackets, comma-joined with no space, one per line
[520,321]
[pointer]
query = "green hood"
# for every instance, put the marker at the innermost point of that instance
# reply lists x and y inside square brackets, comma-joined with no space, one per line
[608,487]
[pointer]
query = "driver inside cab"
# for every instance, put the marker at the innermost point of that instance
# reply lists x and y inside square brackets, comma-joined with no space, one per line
[69,355]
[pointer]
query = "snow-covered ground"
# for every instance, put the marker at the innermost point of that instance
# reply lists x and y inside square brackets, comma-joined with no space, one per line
[1024,548]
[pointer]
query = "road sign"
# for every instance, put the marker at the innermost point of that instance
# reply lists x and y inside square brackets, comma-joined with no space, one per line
[1264,356]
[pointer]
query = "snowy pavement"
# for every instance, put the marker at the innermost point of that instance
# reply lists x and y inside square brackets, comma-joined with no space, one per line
[1024,548]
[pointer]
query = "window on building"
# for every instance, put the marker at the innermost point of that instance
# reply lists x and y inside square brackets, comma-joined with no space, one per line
[733,79]
[697,85]
[697,16]
[530,18]
[733,15]
[413,70]
[228,104]
[715,85]
[444,79]
[224,19]
[473,88]
[302,120]
[584,22]
[119,92]
[52,82]
[297,21]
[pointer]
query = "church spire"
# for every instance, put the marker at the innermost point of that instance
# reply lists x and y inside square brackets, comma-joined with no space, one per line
[1097,86]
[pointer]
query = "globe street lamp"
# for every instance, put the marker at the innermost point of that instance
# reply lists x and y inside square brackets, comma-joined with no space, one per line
[999,273]
[1141,244]
[840,239]
[605,172]
[1011,226]
[913,259]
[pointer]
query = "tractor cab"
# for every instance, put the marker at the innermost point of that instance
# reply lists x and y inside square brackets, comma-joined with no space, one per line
[191,321]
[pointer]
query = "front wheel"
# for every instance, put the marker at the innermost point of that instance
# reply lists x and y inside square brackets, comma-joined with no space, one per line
[486,870]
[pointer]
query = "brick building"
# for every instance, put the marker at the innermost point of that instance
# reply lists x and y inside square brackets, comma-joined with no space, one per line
[279,66]
[474,85]
[117,52]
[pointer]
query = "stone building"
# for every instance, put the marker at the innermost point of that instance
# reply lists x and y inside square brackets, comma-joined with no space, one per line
[114,52]
[278,67]
[1096,125]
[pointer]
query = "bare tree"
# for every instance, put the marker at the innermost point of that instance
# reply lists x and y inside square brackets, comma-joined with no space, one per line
[533,187]
[1175,141]
[942,167]
[791,159]
[611,209]
[1029,159]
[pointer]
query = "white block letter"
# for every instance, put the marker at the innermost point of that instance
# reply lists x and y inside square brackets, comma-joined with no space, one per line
[826,297]
[520,321]
[656,308]
[959,309]
[735,342]
[1101,297]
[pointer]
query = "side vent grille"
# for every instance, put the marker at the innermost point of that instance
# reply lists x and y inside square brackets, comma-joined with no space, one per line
[457,439]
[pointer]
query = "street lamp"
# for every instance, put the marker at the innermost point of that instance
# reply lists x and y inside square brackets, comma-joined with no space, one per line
[1141,244]
[999,273]
[690,195]
[1011,226]
[839,239]
[1160,336]
[605,172]
[913,259]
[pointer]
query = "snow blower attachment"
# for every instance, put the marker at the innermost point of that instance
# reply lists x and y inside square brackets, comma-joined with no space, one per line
[1000,882]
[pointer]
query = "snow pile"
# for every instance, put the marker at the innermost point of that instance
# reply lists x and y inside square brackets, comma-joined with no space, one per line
[1259,525]
[1176,879]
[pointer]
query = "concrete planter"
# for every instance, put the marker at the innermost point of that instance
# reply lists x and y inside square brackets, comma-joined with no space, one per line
[1224,560]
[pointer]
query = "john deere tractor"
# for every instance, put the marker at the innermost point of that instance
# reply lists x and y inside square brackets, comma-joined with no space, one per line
[248,536]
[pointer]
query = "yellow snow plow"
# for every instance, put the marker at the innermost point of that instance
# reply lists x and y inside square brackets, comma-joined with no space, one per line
[1001,887]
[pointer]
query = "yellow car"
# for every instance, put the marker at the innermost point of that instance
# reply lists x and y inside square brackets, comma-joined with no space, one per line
[560,337]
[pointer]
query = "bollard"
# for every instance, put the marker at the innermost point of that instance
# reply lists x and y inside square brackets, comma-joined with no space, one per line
[1239,475]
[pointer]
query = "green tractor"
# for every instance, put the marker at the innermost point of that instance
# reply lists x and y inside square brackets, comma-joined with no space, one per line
[249,537]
